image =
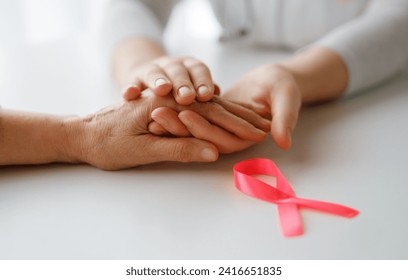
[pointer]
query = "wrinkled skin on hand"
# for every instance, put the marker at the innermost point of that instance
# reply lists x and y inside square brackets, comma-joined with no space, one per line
[118,136]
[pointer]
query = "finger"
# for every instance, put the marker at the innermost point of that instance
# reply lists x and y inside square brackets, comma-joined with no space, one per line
[131,93]
[202,129]
[219,116]
[285,111]
[253,101]
[244,113]
[186,149]
[162,87]
[156,79]
[217,90]
[157,129]
[168,119]
[201,77]
[183,89]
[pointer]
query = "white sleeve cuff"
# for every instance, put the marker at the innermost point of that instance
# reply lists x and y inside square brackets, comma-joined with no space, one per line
[125,19]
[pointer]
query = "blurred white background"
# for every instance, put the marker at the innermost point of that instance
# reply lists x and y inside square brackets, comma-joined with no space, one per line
[33,22]
[56,46]
[40,21]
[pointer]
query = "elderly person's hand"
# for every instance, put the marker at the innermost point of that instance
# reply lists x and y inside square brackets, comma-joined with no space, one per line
[118,136]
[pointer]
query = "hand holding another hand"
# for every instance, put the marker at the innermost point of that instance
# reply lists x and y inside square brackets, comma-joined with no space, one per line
[272,92]
[186,78]
[229,126]
[118,136]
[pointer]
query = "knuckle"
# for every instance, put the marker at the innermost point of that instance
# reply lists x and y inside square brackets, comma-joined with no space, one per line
[181,152]
[187,58]
[207,111]
[291,118]
[218,100]
[181,81]
[263,112]
[213,108]
[171,64]
[152,71]
[166,60]
[200,132]
[198,66]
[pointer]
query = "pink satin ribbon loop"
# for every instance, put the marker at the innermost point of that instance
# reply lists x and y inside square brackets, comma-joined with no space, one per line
[283,195]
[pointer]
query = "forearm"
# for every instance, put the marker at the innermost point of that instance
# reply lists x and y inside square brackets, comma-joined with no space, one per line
[30,138]
[131,53]
[320,73]
[124,22]
[374,45]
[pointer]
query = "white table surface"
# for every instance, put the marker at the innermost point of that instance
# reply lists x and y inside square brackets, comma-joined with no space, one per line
[351,152]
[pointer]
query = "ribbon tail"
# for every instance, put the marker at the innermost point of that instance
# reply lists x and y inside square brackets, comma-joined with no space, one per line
[290,220]
[328,207]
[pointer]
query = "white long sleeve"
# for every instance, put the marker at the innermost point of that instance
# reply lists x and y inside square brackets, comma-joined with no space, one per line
[370,36]
[132,18]
[374,46]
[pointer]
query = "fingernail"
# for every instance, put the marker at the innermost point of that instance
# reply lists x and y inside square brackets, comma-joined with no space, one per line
[130,92]
[160,120]
[208,154]
[203,91]
[184,91]
[160,82]
[126,88]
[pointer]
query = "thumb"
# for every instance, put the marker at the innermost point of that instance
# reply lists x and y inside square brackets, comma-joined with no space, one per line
[285,111]
[131,92]
[183,149]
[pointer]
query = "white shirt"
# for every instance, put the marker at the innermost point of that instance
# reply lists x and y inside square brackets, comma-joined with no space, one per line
[370,36]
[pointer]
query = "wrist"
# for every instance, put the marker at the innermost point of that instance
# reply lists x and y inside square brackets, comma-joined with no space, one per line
[320,73]
[73,143]
[131,54]
[303,82]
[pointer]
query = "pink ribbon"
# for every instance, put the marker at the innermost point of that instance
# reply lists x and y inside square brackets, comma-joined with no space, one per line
[283,195]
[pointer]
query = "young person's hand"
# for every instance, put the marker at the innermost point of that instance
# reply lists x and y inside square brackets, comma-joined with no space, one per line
[272,92]
[229,126]
[186,78]
[277,92]
[140,63]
